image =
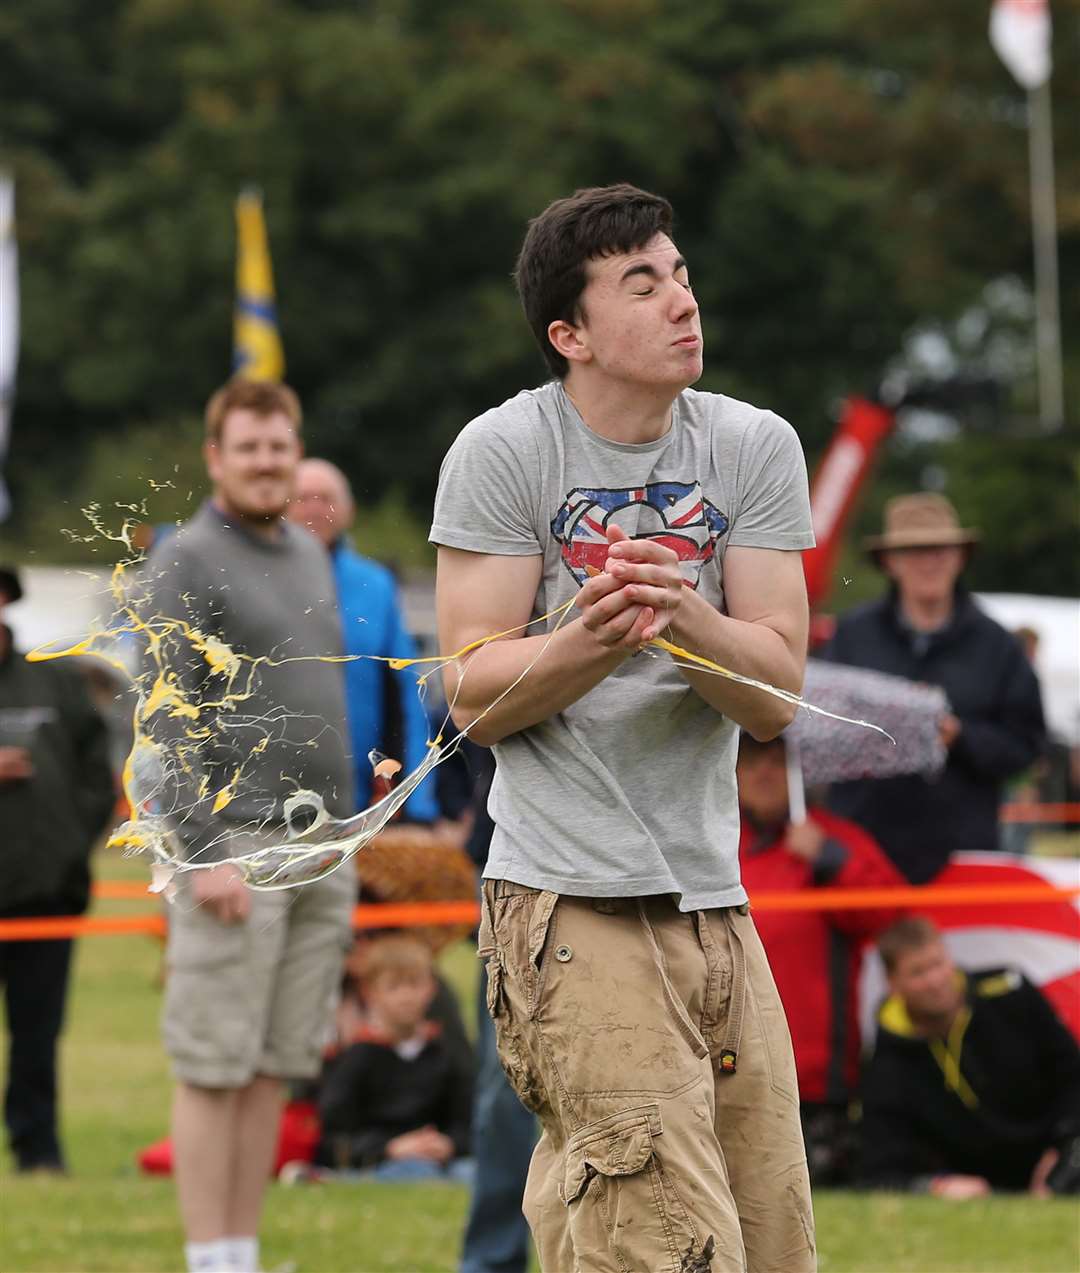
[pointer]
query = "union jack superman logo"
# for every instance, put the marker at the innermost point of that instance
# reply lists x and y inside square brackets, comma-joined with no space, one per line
[674,513]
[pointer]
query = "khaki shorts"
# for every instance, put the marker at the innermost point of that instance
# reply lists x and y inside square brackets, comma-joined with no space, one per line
[653,1046]
[257,997]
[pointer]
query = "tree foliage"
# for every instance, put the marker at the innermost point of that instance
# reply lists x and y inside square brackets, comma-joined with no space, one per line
[842,170]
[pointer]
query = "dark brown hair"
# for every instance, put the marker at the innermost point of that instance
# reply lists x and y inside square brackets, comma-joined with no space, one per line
[913,932]
[550,270]
[263,397]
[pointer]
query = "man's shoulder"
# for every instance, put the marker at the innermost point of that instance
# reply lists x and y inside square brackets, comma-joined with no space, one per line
[988,628]
[996,983]
[861,618]
[187,541]
[301,543]
[523,416]
[730,417]
[356,570]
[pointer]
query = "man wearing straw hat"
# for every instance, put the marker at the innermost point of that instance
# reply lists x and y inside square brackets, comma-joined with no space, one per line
[928,628]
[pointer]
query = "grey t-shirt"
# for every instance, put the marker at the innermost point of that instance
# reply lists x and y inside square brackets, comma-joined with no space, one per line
[261,597]
[630,790]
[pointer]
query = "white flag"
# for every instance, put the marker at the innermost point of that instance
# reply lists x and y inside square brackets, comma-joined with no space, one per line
[9,320]
[1020,33]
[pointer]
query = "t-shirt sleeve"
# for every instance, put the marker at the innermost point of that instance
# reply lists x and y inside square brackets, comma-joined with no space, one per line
[489,483]
[772,494]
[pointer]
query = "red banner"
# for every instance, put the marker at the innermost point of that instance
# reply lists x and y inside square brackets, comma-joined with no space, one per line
[837,480]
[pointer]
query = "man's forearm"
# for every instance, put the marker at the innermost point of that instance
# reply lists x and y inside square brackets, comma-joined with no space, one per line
[552,678]
[751,649]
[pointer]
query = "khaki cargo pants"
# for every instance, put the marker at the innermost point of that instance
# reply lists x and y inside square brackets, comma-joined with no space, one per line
[653,1046]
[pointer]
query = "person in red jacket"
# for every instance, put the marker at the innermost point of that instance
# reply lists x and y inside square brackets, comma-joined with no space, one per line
[815,955]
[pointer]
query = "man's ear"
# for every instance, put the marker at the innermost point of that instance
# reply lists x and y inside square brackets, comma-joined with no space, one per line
[570,341]
[211,458]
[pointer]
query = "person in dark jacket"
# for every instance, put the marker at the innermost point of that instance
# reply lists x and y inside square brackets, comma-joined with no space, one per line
[815,955]
[974,1082]
[928,628]
[394,1100]
[56,793]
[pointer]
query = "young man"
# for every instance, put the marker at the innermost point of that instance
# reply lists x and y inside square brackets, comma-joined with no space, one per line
[815,955]
[633,1005]
[974,1084]
[250,975]
[385,711]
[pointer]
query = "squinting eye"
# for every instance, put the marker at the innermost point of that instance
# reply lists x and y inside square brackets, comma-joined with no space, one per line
[646,292]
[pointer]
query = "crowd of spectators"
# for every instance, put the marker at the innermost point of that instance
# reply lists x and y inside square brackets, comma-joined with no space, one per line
[970,1083]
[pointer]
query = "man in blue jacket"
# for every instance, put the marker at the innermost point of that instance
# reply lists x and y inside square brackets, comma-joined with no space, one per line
[384,710]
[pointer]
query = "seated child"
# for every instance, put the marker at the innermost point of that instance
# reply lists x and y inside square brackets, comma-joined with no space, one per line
[394,1100]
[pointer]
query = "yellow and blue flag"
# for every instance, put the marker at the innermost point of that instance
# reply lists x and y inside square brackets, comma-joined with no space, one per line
[257,351]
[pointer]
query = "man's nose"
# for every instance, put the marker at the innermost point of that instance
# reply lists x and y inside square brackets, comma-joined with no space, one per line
[684,304]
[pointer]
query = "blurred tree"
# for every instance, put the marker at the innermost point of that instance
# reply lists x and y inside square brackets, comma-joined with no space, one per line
[842,171]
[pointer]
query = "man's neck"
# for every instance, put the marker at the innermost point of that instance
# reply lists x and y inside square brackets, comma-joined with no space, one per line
[269,528]
[619,411]
[927,615]
[936,1025]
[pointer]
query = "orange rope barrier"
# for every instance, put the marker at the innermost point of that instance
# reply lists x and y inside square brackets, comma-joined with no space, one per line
[855,899]
[52,927]
[408,914]
[1021,811]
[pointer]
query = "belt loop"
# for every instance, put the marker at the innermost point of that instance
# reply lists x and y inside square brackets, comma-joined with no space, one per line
[729,1049]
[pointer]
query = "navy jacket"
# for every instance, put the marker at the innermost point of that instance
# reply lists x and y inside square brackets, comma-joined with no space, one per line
[993,691]
[48,824]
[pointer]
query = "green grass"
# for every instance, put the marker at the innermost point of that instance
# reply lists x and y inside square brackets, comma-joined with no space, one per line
[108,1218]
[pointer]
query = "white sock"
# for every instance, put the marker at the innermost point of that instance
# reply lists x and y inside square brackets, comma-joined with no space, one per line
[209,1257]
[243,1254]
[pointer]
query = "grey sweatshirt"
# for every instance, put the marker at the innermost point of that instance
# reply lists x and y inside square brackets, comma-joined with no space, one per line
[260,598]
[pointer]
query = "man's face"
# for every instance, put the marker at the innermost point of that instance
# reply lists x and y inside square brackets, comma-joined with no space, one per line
[763,790]
[321,501]
[253,465]
[926,575]
[927,981]
[638,320]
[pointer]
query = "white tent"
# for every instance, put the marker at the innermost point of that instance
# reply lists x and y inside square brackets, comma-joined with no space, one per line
[1057,659]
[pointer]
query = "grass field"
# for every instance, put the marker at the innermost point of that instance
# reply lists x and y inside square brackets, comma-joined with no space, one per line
[106,1217]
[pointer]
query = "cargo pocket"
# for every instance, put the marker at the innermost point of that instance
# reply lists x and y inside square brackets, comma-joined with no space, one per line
[624,1208]
[511,1055]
